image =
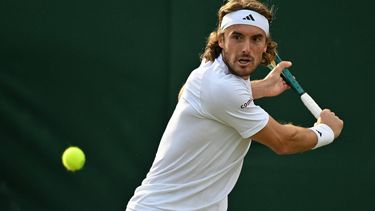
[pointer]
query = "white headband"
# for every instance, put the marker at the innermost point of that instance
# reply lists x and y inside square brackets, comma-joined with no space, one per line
[248,17]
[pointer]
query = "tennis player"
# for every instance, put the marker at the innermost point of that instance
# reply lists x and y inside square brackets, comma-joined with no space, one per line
[201,153]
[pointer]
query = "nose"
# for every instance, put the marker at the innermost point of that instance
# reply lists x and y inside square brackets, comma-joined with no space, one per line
[246,47]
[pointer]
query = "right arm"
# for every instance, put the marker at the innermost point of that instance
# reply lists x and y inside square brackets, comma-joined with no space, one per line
[291,139]
[272,84]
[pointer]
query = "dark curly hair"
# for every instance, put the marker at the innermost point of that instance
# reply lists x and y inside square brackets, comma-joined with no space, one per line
[213,50]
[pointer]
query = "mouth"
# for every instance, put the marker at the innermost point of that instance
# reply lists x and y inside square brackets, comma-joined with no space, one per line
[245,61]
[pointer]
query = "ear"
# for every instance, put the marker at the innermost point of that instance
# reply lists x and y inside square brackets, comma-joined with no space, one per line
[220,39]
[265,47]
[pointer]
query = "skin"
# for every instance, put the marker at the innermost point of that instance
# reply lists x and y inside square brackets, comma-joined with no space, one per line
[243,46]
[242,49]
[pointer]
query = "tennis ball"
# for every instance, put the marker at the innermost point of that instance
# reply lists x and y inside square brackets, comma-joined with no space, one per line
[73,158]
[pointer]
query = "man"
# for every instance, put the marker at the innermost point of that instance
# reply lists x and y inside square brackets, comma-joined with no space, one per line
[201,152]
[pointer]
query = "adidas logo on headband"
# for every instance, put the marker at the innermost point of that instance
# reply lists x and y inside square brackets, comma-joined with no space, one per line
[249,17]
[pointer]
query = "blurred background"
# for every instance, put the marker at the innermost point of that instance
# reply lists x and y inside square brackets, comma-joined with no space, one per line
[104,76]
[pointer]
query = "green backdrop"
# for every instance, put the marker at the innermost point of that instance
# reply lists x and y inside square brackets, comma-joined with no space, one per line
[104,75]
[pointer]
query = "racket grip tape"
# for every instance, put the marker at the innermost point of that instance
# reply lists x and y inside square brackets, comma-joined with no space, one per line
[310,104]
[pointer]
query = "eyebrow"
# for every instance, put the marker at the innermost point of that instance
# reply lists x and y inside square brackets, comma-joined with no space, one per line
[239,33]
[258,36]
[236,33]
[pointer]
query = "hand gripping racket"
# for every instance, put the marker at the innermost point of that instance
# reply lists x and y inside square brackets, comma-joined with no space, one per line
[292,82]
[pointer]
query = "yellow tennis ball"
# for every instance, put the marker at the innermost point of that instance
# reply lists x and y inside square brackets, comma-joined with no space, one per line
[73,158]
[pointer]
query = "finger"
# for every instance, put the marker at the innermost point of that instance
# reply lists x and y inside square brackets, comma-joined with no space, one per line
[287,86]
[326,110]
[281,66]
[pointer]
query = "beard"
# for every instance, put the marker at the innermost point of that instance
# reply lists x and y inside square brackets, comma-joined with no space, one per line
[243,72]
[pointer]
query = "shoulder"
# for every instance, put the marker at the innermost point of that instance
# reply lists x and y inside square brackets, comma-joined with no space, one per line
[226,91]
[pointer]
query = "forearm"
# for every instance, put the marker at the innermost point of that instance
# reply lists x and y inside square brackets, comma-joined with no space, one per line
[286,139]
[305,139]
[298,140]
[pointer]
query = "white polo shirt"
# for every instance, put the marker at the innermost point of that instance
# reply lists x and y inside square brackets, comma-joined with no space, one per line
[200,155]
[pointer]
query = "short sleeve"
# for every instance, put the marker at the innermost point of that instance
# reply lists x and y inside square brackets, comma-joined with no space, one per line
[230,102]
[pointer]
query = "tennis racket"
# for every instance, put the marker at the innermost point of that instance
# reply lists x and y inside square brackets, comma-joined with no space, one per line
[309,102]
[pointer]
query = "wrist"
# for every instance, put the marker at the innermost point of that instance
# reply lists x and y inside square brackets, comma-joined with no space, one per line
[324,134]
[258,89]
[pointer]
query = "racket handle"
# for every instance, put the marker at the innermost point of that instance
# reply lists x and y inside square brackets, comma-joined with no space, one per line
[311,105]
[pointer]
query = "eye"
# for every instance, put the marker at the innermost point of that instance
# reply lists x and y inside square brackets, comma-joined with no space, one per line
[258,38]
[236,36]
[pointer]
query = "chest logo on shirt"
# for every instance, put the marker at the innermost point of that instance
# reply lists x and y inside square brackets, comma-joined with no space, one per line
[246,104]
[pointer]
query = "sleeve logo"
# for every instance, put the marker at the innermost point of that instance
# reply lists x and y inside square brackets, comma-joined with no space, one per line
[246,104]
